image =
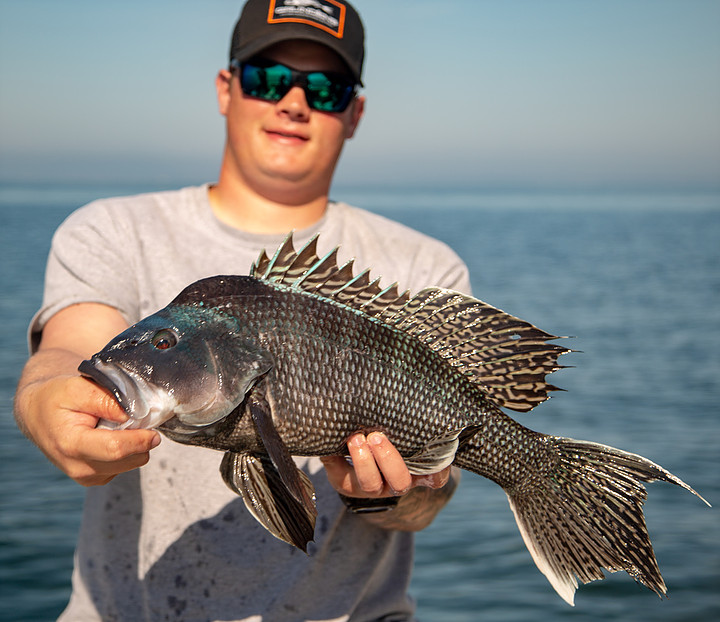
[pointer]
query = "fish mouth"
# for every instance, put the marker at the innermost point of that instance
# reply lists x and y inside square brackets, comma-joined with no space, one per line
[146,405]
[112,382]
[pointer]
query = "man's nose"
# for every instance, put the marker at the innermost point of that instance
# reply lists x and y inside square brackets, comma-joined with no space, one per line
[294,104]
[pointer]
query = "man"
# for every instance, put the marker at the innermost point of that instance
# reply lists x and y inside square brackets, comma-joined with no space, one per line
[170,540]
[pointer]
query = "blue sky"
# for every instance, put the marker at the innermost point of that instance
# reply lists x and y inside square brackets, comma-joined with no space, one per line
[477,93]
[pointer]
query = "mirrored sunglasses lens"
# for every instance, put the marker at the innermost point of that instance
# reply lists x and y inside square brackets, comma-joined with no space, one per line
[269,83]
[327,94]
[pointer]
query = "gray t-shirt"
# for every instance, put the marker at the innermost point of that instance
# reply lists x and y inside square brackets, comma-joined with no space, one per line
[170,541]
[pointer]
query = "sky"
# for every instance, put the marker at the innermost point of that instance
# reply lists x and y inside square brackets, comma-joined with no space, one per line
[494,94]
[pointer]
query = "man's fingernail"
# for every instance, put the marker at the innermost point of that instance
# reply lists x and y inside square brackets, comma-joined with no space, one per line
[155,441]
[376,438]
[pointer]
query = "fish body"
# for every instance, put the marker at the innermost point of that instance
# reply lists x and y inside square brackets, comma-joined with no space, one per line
[300,354]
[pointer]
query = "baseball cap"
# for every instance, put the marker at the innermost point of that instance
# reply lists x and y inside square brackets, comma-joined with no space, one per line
[333,23]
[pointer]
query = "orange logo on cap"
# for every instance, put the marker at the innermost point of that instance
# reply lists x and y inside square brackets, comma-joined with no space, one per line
[327,15]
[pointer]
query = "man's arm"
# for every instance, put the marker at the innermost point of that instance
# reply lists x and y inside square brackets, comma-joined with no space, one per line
[378,471]
[58,410]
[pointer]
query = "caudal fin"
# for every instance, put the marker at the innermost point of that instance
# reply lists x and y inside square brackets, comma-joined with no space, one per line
[587,516]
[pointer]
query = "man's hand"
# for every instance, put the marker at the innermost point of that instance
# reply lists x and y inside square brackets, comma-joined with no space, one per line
[58,410]
[60,418]
[378,470]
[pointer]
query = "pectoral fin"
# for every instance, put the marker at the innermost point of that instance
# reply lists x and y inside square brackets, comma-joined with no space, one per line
[278,452]
[438,453]
[257,481]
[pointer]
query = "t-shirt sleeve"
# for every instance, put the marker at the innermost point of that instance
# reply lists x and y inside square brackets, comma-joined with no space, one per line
[452,273]
[90,260]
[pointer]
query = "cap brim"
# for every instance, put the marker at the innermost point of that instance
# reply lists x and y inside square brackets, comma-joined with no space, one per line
[255,47]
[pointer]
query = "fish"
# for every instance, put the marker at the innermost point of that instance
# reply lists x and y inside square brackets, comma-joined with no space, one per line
[295,357]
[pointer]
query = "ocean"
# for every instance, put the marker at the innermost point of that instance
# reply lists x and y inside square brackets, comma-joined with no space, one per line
[634,278]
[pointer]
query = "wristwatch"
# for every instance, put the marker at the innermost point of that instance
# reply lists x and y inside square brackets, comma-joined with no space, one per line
[359,505]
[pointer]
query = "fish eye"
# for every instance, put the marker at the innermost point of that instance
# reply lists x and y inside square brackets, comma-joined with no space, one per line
[164,339]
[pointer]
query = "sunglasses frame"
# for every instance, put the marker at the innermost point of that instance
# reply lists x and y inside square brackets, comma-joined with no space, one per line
[298,78]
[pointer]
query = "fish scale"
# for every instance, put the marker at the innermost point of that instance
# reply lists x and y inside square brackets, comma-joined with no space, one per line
[300,354]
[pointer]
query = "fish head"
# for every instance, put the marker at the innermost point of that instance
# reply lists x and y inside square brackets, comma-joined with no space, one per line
[188,364]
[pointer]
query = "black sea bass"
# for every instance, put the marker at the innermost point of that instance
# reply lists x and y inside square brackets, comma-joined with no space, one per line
[296,357]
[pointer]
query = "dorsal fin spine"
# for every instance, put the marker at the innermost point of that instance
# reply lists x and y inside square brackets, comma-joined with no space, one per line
[319,272]
[280,261]
[356,282]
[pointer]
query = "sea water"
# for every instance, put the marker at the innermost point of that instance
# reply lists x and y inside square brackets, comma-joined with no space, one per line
[633,278]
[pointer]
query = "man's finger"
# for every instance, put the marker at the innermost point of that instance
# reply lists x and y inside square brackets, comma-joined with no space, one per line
[103,404]
[367,472]
[93,457]
[113,446]
[340,474]
[390,463]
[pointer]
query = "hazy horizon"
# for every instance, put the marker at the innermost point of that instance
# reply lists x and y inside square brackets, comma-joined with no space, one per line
[558,95]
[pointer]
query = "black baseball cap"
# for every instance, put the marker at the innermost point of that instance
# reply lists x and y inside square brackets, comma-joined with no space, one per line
[333,23]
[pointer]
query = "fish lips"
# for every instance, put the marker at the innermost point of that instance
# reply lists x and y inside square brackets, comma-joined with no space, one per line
[143,412]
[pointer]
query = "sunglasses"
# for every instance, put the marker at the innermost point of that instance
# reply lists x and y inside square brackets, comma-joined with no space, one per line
[269,80]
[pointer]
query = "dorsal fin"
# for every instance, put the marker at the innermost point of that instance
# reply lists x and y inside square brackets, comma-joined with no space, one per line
[506,357]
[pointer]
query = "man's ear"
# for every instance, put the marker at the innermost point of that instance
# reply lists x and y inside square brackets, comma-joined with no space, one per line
[222,86]
[358,109]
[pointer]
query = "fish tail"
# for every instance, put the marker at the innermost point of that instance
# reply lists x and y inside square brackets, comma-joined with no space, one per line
[586,515]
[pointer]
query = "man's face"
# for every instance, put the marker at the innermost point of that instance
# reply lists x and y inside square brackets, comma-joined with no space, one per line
[285,147]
